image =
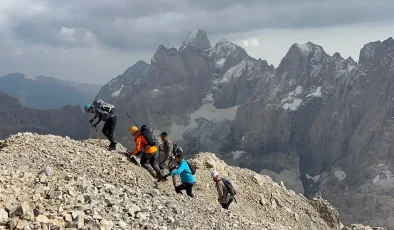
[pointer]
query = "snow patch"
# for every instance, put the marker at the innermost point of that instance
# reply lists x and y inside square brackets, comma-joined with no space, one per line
[155,92]
[247,65]
[315,93]
[314,178]
[237,154]
[206,111]
[304,48]
[289,178]
[384,179]
[116,93]
[340,175]
[208,99]
[219,64]
[192,37]
[290,101]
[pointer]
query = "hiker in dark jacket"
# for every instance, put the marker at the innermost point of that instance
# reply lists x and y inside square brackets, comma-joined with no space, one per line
[104,112]
[169,163]
[224,197]
[187,178]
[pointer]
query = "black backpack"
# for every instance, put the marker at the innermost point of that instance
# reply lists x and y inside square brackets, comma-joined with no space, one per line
[176,149]
[150,137]
[192,167]
[229,186]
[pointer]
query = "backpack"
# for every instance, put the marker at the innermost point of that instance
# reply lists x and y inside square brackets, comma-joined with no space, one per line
[230,188]
[192,167]
[176,149]
[150,137]
[103,105]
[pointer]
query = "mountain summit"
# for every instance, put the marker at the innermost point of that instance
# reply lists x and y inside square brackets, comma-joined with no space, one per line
[197,38]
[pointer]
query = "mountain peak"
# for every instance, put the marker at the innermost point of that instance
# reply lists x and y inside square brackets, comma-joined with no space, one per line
[197,38]
[224,48]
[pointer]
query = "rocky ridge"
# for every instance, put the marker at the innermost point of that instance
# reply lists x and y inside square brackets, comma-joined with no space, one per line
[52,182]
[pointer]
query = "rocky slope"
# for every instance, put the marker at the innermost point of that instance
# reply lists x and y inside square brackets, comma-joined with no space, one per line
[46,92]
[51,182]
[321,123]
[66,121]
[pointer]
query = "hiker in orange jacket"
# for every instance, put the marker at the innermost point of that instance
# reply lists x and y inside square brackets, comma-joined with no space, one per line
[149,153]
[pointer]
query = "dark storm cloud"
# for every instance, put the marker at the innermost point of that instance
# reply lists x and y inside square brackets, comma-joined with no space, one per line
[144,24]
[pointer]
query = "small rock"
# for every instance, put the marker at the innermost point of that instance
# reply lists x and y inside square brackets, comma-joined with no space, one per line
[171,219]
[21,210]
[3,215]
[36,212]
[141,215]
[14,222]
[55,194]
[273,204]
[296,217]
[68,218]
[43,178]
[22,224]
[132,209]
[23,197]
[80,199]
[262,200]
[97,217]
[122,225]
[154,192]
[42,219]
[48,171]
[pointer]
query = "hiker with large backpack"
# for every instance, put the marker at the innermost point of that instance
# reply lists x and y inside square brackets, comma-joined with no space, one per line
[170,149]
[186,174]
[146,145]
[226,190]
[104,112]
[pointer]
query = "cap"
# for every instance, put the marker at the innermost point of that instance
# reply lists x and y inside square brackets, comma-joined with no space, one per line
[214,174]
[163,134]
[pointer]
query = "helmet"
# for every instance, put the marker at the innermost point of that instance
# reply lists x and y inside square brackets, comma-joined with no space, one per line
[87,107]
[133,129]
[214,174]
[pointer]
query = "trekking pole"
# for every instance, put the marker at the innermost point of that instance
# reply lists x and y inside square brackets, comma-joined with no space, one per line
[132,119]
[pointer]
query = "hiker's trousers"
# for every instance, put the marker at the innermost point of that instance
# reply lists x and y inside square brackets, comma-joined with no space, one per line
[109,128]
[185,186]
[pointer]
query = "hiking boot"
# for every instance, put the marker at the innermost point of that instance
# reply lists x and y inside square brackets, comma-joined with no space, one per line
[158,172]
[112,146]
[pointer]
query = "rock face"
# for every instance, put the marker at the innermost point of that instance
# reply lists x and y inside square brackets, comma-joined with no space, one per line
[46,92]
[67,121]
[322,124]
[192,93]
[50,182]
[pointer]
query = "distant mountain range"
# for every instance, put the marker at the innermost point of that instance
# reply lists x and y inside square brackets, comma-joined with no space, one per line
[47,92]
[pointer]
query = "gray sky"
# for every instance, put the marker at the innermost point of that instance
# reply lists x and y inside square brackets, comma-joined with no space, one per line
[96,40]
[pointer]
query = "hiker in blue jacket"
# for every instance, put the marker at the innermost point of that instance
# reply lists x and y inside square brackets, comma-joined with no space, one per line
[186,175]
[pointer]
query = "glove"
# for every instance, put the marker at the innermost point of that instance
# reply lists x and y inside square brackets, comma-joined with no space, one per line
[91,121]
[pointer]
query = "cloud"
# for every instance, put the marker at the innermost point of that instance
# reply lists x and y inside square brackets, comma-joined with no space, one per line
[96,40]
[251,42]
[145,24]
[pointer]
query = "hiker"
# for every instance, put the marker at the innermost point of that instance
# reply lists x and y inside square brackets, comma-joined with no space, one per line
[104,112]
[187,178]
[148,153]
[168,164]
[225,198]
